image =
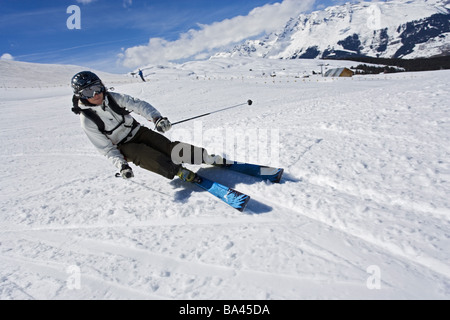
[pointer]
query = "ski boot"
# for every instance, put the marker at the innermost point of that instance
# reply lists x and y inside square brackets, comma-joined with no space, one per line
[186,175]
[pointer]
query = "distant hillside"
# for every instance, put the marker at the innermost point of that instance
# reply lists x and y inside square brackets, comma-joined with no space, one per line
[26,74]
[424,64]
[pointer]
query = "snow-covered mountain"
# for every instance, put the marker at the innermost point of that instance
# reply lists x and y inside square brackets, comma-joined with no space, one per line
[393,29]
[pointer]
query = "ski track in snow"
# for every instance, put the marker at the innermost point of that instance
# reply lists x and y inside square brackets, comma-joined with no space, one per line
[366,184]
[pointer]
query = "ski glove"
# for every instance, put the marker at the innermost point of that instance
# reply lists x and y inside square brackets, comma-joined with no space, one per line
[126,172]
[163,124]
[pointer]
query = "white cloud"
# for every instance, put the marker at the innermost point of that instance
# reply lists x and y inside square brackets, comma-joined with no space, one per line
[127,3]
[6,56]
[265,19]
[85,1]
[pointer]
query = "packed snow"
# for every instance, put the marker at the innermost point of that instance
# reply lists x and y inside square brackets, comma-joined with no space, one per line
[362,212]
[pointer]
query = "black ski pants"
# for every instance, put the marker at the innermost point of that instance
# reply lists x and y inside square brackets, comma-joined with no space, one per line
[154,152]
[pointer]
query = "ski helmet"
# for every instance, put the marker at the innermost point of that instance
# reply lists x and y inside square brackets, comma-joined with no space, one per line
[83,80]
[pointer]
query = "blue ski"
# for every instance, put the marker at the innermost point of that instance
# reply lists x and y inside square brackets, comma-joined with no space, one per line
[266,173]
[234,198]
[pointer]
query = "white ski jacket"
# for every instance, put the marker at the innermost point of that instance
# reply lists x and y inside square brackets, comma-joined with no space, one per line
[107,144]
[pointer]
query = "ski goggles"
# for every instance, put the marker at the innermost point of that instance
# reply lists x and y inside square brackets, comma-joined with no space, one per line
[91,91]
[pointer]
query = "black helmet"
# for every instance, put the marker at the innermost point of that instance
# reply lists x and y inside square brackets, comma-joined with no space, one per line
[83,80]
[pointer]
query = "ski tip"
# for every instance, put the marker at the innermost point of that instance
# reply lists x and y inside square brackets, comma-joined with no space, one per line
[237,199]
[275,177]
[278,176]
[233,198]
[244,204]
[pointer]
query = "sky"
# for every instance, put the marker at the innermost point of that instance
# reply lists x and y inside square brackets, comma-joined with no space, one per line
[119,36]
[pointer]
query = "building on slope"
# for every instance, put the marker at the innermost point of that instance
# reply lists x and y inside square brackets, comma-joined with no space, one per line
[339,72]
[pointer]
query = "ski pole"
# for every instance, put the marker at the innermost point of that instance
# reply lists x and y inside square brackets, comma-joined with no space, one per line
[249,102]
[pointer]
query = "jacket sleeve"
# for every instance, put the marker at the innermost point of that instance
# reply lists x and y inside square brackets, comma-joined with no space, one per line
[140,107]
[102,143]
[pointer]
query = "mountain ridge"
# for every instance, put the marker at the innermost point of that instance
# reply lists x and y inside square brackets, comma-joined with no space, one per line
[396,29]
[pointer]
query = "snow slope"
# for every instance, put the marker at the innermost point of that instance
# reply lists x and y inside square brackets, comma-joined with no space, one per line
[363,211]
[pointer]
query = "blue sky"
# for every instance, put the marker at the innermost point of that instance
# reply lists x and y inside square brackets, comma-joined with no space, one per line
[121,35]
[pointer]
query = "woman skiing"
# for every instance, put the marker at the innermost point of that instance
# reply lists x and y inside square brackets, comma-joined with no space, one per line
[106,120]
